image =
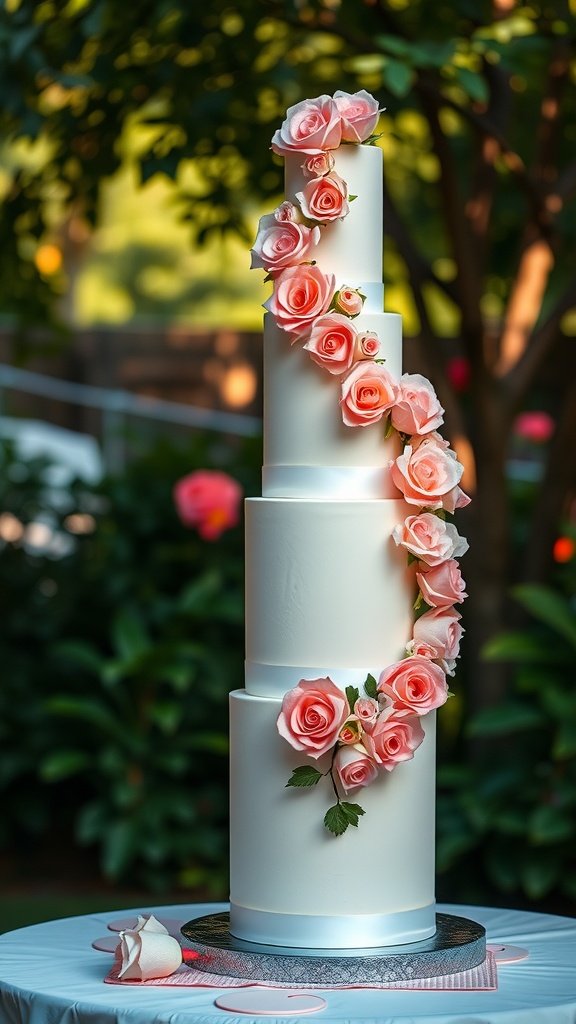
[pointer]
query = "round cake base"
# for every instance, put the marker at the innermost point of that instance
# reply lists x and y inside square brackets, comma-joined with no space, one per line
[458,945]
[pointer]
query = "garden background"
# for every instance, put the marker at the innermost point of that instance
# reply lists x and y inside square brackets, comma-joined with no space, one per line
[134,163]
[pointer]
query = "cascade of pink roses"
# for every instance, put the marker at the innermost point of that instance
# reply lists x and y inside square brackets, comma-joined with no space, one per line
[370,732]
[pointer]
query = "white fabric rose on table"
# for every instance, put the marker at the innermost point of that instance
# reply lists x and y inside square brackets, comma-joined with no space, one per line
[148,951]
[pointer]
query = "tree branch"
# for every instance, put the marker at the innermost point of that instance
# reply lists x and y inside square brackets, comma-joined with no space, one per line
[519,378]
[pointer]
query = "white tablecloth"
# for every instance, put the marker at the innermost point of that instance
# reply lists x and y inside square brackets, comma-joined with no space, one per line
[49,974]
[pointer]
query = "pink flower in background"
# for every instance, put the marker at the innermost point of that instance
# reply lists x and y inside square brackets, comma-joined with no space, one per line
[316,166]
[393,739]
[312,715]
[368,392]
[311,126]
[331,342]
[349,301]
[367,345]
[417,410]
[414,684]
[430,539]
[441,631]
[442,585]
[324,199]
[301,294]
[359,112]
[282,243]
[428,475]
[534,426]
[354,768]
[209,501]
[459,373]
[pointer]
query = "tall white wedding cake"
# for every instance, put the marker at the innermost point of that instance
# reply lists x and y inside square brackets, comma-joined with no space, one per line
[333,738]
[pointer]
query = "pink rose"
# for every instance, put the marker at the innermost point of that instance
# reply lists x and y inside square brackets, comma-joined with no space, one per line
[415,684]
[428,475]
[316,166]
[350,731]
[354,769]
[209,501]
[422,649]
[440,629]
[367,346]
[417,410]
[366,710]
[286,211]
[393,739]
[349,301]
[429,539]
[301,294]
[359,113]
[311,126]
[368,392]
[325,199]
[312,715]
[442,585]
[282,243]
[331,342]
[537,427]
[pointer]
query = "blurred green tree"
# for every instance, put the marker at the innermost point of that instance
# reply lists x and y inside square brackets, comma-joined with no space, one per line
[480,185]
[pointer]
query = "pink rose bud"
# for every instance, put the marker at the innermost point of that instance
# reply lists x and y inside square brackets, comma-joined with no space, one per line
[366,710]
[317,166]
[282,243]
[422,649]
[429,538]
[368,392]
[394,739]
[324,199]
[209,501]
[348,301]
[442,585]
[331,342]
[286,211]
[441,631]
[417,410]
[367,346]
[312,715]
[350,731]
[354,769]
[428,475]
[414,684]
[359,112]
[311,126]
[301,294]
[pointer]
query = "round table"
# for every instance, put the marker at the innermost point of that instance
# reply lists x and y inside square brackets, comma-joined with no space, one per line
[49,974]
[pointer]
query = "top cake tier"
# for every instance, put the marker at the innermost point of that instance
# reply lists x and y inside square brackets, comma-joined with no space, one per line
[351,248]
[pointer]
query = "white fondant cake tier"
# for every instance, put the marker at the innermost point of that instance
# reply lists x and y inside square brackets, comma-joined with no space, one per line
[351,248]
[292,882]
[326,587]
[303,424]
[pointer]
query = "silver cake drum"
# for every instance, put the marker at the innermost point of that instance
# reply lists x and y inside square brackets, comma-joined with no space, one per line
[458,945]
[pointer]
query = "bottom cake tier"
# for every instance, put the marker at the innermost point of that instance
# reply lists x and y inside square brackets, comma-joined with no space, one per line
[295,884]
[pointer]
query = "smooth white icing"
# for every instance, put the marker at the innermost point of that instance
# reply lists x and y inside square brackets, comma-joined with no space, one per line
[325,583]
[302,416]
[350,248]
[283,859]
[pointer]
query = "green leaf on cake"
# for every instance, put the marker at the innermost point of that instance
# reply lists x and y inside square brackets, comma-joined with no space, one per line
[304,776]
[340,816]
[352,694]
[389,429]
[371,687]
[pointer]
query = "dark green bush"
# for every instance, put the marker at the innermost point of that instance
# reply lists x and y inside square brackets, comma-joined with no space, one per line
[117,658]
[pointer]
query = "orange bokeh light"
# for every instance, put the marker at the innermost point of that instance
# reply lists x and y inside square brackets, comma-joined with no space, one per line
[48,258]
